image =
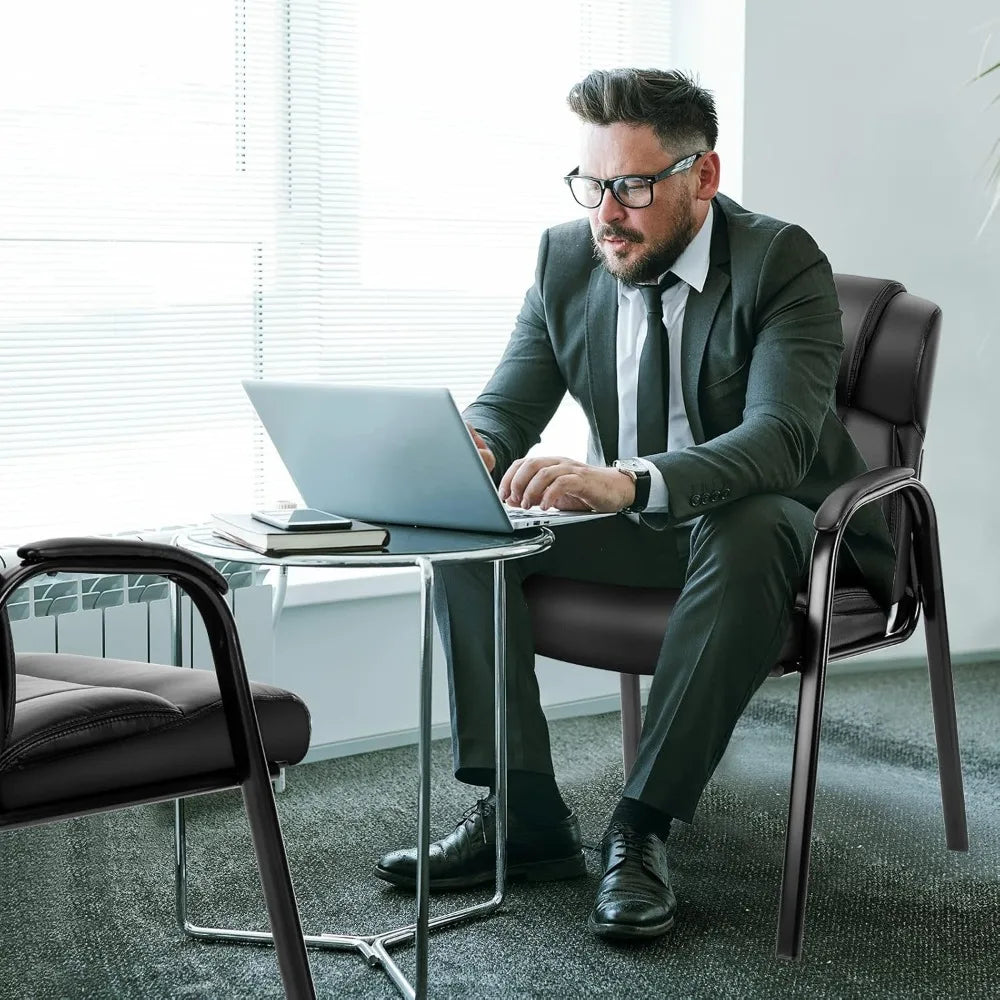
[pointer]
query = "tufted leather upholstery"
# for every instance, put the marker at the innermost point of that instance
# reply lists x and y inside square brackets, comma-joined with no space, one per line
[883,398]
[84,725]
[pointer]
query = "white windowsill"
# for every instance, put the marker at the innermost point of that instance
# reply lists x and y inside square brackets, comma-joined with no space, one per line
[323,586]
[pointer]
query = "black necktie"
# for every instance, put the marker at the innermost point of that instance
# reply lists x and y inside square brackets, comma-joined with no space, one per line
[653,396]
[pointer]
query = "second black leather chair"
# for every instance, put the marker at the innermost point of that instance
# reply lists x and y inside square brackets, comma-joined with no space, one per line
[883,396]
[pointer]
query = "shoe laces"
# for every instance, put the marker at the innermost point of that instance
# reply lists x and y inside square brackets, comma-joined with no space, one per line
[632,838]
[634,843]
[482,808]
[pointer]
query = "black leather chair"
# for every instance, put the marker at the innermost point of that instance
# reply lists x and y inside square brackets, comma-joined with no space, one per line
[81,734]
[883,397]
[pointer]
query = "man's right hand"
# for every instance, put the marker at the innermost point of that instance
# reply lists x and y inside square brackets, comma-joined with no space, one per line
[489,459]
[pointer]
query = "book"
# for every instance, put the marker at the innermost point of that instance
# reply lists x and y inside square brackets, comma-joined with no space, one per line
[254,534]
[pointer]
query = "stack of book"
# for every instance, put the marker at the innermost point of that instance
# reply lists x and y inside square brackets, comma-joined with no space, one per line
[254,534]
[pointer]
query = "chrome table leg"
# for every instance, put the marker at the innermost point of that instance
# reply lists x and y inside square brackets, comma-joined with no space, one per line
[374,947]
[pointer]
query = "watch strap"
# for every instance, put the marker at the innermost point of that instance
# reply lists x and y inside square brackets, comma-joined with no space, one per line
[639,475]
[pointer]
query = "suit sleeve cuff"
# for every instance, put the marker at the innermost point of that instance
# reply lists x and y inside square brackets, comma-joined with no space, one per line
[658,499]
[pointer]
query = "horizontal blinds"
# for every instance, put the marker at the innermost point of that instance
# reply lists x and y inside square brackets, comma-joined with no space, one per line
[200,192]
[457,116]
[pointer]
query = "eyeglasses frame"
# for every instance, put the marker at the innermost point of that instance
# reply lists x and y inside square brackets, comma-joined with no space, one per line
[685,163]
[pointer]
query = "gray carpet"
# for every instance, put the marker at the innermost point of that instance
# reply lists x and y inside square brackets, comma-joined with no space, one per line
[86,906]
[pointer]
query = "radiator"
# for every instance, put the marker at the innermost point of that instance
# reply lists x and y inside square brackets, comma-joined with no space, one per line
[128,617]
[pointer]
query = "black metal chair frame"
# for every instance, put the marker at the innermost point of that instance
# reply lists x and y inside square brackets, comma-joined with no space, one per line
[206,588]
[830,521]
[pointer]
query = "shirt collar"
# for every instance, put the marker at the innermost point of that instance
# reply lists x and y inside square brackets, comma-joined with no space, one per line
[692,265]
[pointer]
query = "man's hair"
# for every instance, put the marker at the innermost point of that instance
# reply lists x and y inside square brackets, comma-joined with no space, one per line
[681,113]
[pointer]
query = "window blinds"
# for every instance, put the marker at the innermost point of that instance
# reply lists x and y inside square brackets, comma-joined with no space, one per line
[200,192]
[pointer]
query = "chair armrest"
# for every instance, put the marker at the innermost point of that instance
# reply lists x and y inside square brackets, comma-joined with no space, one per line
[118,555]
[206,587]
[841,503]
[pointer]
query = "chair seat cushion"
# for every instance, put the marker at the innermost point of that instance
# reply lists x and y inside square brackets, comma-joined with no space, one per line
[613,627]
[85,724]
[57,717]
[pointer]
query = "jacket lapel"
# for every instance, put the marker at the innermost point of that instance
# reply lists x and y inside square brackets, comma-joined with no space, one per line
[699,315]
[602,358]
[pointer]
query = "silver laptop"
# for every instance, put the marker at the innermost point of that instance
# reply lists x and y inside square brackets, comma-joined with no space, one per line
[387,454]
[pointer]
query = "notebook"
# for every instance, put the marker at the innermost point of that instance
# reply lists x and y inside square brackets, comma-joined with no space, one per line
[247,530]
[387,454]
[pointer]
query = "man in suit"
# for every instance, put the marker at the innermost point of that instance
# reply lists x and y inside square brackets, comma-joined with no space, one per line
[703,343]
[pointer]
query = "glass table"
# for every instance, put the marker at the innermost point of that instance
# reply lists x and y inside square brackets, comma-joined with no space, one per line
[423,548]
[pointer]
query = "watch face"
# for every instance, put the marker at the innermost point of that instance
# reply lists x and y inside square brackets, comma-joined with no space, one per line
[633,465]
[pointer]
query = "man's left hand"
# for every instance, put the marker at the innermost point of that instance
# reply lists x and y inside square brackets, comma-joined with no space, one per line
[565,484]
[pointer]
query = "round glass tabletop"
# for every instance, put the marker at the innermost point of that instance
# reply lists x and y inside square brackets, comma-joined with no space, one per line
[407,547]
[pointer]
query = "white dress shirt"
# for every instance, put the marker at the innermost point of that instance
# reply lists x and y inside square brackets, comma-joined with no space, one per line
[692,268]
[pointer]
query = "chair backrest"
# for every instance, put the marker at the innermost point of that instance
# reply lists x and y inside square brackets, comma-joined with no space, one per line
[884,388]
[6,678]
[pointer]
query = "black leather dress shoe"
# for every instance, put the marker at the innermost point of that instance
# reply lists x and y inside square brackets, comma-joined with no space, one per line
[634,899]
[467,856]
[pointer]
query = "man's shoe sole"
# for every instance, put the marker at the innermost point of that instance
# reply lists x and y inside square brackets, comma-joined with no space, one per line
[530,871]
[629,932]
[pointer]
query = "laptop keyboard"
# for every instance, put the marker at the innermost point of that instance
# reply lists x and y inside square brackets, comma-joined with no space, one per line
[520,513]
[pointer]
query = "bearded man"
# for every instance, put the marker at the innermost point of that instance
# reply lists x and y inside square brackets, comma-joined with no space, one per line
[703,343]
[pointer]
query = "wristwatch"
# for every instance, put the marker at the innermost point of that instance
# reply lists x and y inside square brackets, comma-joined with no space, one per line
[639,474]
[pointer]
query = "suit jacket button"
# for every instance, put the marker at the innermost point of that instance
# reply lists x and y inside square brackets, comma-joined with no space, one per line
[696,500]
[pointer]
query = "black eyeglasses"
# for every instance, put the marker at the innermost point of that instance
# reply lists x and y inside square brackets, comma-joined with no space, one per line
[630,190]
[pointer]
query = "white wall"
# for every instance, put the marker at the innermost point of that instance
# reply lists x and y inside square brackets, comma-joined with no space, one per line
[861,125]
[708,40]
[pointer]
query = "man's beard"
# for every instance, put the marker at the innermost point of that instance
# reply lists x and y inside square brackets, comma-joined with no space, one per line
[657,259]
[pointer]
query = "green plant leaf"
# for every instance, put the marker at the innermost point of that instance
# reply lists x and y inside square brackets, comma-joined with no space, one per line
[993,181]
[979,76]
[992,209]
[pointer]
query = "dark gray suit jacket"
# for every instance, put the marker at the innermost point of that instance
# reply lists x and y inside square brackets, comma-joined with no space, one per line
[760,354]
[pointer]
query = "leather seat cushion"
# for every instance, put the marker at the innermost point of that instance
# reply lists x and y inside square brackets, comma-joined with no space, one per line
[613,627]
[57,717]
[85,724]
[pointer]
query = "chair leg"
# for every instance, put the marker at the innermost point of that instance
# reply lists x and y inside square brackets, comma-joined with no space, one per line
[928,557]
[801,803]
[631,720]
[276,881]
[802,797]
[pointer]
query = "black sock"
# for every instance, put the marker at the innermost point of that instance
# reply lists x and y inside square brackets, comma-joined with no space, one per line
[534,797]
[481,776]
[642,818]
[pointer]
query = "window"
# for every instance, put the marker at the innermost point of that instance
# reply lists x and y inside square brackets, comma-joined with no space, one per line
[199,192]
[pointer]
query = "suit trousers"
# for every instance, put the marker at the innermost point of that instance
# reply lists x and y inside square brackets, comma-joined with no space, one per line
[738,567]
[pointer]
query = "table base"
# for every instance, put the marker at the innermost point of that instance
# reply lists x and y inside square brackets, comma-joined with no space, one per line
[372,947]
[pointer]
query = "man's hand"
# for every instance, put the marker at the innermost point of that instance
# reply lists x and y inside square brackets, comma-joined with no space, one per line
[489,459]
[565,484]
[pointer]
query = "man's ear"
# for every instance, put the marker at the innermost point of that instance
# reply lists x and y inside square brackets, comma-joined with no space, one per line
[708,176]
